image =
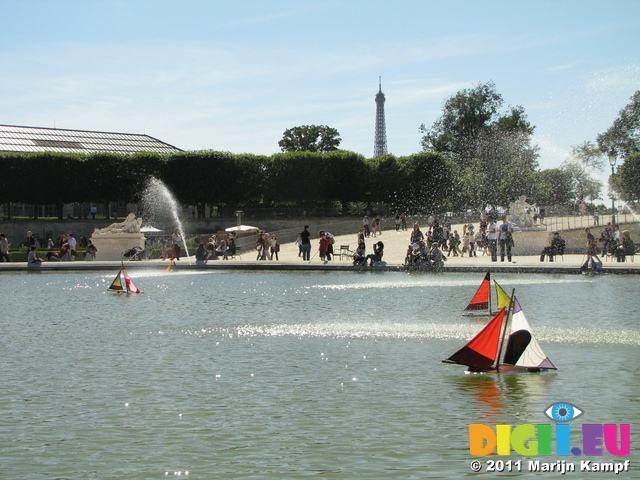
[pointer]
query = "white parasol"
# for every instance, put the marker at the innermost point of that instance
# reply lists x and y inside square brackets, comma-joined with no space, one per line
[242,228]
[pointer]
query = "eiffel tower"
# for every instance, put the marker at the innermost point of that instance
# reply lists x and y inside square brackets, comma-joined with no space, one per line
[380,143]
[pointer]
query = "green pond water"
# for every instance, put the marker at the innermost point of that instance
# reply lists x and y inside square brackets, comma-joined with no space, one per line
[294,375]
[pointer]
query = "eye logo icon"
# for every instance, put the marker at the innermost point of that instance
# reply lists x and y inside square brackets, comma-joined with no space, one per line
[563,412]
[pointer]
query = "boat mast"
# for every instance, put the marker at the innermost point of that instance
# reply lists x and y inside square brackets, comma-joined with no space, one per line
[504,332]
[490,312]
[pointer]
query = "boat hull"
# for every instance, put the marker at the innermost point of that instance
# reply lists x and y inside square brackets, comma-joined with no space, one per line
[508,369]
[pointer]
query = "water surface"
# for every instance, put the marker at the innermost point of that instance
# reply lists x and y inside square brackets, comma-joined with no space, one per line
[290,375]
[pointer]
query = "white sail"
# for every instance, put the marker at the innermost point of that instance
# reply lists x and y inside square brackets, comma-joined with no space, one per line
[520,335]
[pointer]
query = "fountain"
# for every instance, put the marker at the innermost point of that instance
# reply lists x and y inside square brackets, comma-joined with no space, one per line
[114,240]
[161,209]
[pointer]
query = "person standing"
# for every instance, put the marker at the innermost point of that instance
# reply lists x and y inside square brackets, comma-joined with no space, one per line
[592,251]
[506,238]
[31,241]
[274,247]
[492,238]
[322,247]
[331,240]
[472,241]
[261,246]
[305,243]
[4,248]
[72,246]
[365,225]
[176,241]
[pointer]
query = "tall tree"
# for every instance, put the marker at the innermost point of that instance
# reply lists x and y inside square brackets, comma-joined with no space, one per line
[585,185]
[628,178]
[473,126]
[623,137]
[310,138]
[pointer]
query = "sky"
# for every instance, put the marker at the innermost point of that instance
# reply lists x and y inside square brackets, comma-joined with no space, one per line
[233,76]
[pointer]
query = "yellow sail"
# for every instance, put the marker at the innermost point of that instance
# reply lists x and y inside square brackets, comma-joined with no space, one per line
[503,297]
[117,283]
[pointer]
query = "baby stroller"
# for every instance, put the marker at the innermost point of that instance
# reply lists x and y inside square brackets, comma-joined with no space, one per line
[135,253]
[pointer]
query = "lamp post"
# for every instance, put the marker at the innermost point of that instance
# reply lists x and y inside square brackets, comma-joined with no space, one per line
[238,214]
[612,161]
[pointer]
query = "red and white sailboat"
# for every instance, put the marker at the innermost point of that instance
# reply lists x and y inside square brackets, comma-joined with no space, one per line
[123,284]
[480,304]
[489,352]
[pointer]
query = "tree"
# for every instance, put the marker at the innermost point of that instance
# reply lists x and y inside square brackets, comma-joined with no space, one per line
[627,180]
[585,186]
[473,127]
[624,135]
[589,155]
[310,138]
[469,119]
[554,187]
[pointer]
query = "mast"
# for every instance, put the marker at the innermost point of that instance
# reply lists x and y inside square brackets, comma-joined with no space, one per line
[490,312]
[504,331]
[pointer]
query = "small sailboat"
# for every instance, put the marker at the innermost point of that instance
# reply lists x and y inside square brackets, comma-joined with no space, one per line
[123,284]
[488,351]
[480,304]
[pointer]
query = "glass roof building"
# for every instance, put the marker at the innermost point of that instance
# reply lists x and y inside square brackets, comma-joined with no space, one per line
[37,139]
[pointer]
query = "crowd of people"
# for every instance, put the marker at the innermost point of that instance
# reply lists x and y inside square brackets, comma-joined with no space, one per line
[431,248]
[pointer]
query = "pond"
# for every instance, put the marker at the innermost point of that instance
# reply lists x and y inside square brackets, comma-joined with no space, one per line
[231,374]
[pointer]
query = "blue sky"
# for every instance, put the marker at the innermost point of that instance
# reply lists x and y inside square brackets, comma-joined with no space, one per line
[234,75]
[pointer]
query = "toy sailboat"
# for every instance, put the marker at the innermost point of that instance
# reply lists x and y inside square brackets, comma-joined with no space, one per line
[487,352]
[480,304]
[126,286]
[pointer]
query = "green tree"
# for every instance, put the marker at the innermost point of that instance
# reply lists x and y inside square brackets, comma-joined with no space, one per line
[627,180]
[553,187]
[589,155]
[469,120]
[623,137]
[473,126]
[585,186]
[310,138]
[428,182]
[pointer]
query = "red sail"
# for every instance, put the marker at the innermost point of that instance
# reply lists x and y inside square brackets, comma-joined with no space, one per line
[480,300]
[481,351]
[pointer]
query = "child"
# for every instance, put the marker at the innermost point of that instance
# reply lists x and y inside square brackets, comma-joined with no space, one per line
[164,253]
[324,244]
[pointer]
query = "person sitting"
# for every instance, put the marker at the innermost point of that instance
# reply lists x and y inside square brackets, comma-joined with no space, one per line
[360,257]
[32,259]
[435,256]
[556,247]
[417,254]
[90,253]
[626,248]
[202,254]
[62,254]
[376,256]
[223,250]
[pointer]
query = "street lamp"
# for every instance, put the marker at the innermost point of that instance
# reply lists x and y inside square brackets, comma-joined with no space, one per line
[612,161]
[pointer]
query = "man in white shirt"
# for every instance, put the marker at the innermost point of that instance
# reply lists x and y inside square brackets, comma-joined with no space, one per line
[492,238]
[72,246]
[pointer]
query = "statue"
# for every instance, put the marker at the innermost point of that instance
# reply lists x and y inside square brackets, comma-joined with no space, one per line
[131,224]
[519,212]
